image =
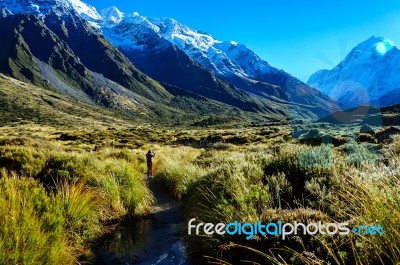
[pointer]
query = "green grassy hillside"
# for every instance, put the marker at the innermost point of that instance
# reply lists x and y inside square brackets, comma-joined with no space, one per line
[22,102]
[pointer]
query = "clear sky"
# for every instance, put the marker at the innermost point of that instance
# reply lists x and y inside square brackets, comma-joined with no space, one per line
[299,36]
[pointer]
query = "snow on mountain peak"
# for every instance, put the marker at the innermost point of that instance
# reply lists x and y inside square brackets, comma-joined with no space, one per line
[126,30]
[137,23]
[182,35]
[135,17]
[84,10]
[222,58]
[372,64]
[378,44]
[373,48]
[5,12]
[111,16]
[44,7]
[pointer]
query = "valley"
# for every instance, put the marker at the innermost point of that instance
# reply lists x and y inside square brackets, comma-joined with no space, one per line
[84,94]
[86,167]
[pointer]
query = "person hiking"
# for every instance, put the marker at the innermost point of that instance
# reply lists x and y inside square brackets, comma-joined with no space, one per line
[149,159]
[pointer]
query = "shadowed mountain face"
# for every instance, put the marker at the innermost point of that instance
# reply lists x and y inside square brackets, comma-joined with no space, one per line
[100,56]
[171,66]
[73,52]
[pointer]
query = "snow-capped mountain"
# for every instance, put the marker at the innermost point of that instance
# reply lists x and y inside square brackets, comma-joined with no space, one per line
[187,62]
[369,75]
[46,7]
[127,31]
[111,16]
[225,59]
[141,41]
[140,38]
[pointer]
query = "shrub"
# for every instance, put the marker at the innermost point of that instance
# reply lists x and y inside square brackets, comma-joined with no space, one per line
[26,160]
[238,139]
[299,165]
[395,146]
[367,129]
[16,141]
[339,140]
[313,133]
[365,138]
[362,153]
[221,146]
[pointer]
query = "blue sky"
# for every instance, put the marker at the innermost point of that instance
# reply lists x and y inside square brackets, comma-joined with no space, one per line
[300,37]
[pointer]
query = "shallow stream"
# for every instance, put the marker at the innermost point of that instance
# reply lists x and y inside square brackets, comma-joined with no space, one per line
[153,241]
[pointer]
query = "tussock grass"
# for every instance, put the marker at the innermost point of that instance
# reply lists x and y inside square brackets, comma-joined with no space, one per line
[176,169]
[371,200]
[32,226]
[291,183]
[75,190]
[27,160]
[56,198]
[80,206]
[395,146]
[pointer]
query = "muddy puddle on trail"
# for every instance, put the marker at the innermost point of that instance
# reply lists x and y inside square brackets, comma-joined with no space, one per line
[154,241]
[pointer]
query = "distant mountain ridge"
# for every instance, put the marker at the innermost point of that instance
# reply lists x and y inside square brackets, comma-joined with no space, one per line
[145,41]
[369,75]
[165,62]
[123,61]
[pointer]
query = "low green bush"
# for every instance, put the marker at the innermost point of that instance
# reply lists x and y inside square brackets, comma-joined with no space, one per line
[28,161]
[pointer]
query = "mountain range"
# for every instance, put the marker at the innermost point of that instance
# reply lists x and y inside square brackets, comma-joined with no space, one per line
[142,66]
[158,46]
[162,69]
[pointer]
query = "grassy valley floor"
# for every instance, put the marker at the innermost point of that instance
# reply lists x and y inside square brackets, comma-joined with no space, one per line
[63,188]
[71,172]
